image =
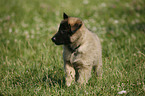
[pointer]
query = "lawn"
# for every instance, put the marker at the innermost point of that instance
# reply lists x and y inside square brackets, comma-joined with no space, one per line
[31,64]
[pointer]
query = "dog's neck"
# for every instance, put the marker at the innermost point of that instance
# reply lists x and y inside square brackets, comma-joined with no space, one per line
[77,41]
[73,49]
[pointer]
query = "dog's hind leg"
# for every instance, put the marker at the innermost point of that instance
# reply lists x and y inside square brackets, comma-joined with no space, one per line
[98,69]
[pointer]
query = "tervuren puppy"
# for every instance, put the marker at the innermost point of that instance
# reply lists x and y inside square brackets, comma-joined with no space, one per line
[82,50]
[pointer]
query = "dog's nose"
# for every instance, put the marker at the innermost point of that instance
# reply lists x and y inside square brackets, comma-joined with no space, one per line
[53,39]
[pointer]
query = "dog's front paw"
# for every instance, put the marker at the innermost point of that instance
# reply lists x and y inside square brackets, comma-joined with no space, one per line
[68,84]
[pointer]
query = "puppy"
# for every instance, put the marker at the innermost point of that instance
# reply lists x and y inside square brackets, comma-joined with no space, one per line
[81,52]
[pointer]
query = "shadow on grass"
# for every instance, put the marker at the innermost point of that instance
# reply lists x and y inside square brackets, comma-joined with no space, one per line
[55,77]
[1,94]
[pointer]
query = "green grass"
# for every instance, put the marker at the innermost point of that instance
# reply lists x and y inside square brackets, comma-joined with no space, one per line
[30,64]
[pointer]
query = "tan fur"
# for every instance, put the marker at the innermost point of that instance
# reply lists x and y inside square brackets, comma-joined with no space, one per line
[78,65]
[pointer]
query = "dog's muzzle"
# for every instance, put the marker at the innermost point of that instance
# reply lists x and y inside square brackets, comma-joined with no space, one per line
[56,41]
[53,39]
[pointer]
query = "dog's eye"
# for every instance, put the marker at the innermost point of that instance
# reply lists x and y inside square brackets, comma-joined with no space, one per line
[64,31]
[61,31]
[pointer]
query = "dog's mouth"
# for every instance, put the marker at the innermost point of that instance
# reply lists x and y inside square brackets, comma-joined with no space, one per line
[60,42]
[55,41]
[61,38]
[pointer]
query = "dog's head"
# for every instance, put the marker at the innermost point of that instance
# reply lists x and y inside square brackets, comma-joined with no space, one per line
[68,27]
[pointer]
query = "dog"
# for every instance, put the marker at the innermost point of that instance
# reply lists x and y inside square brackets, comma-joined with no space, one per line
[82,50]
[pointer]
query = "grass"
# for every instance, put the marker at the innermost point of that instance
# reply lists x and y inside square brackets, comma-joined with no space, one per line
[30,64]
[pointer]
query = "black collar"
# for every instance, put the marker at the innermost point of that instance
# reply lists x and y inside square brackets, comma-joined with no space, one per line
[73,49]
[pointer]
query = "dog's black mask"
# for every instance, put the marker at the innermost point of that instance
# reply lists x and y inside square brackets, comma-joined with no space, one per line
[63,34]
[65,31]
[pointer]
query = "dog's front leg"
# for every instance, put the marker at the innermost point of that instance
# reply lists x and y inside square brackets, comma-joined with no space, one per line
[70,74]
[83,74]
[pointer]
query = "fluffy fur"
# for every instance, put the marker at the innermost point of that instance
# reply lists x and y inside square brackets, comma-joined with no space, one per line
[82,54]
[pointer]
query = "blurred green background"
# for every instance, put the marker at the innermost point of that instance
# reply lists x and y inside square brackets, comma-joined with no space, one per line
[30,64]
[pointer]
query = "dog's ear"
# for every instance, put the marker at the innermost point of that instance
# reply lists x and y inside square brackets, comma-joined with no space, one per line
[76,26]
[65,16]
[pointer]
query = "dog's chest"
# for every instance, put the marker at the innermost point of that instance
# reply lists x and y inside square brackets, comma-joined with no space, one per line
[71,56]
